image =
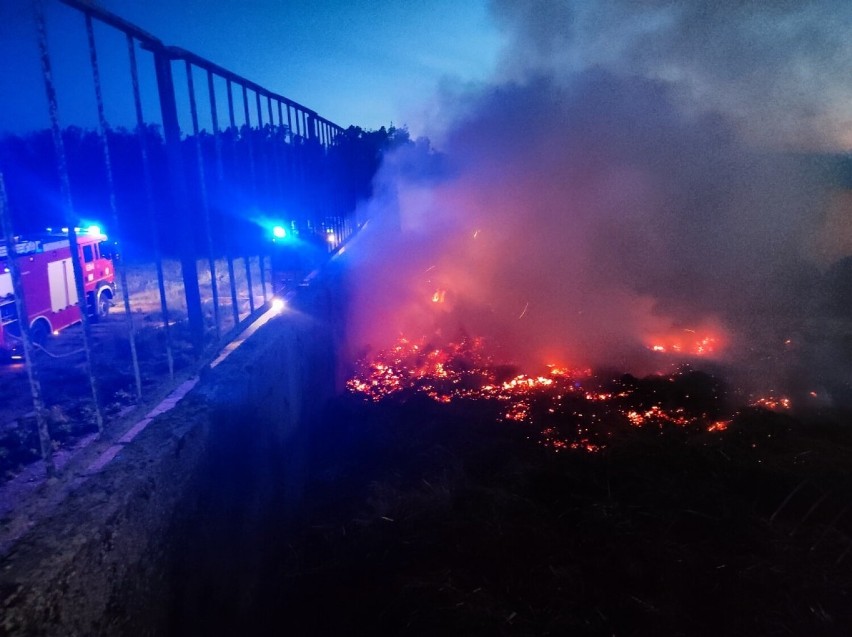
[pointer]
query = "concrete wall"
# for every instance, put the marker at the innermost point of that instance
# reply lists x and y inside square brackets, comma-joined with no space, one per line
[141,547]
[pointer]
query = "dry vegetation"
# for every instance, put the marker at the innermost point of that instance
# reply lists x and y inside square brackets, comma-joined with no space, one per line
[424,519]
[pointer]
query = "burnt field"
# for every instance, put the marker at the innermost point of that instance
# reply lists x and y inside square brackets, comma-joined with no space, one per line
[425,517]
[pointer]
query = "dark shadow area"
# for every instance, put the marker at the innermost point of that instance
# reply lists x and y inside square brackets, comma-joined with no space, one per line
[420,518]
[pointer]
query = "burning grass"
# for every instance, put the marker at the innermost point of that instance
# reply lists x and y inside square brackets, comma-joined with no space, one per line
[427,511]
[562,408]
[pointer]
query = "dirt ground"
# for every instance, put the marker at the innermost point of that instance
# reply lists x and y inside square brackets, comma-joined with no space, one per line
[61,363]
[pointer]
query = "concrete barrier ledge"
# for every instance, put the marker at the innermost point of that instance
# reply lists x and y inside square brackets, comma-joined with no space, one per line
[99,564]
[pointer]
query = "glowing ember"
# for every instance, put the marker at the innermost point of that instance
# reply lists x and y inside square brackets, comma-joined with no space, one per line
[719,425]
[772,403]
[571,408]
[685,343]
[658,415]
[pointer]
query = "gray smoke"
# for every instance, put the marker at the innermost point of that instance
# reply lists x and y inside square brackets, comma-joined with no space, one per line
[596,202]
[777,68]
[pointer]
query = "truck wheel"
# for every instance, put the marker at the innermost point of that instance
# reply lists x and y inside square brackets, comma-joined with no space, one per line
[99,309]
[39,331]
[104,304]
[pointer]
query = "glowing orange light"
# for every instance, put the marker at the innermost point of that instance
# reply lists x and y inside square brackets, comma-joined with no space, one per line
[586,407]
[772,403]
[685,342]
[719,425]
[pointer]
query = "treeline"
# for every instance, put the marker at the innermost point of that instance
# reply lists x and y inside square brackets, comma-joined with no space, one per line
[249,177]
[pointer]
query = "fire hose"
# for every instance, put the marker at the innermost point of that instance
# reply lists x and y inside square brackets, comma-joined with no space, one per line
[43,349]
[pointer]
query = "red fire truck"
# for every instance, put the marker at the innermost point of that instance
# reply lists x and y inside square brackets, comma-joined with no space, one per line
[47,275]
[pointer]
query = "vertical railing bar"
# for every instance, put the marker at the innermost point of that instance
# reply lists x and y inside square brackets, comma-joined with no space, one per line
[205,203]
[292,160]
[277,161]
[229,240]
[276,152]
[281,151]
[284,153]
[262,182]
[214,118]
[246,258]
[217,151]
[44,440]
[65,187]
[103,132]
[249,136]
[149,193]
[261,260]
[261,155]
[179,204]
[307,166]
[300,165]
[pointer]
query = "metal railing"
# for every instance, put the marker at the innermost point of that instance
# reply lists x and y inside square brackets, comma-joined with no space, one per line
[203,161]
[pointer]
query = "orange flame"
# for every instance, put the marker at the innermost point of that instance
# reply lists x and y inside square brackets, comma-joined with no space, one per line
[463,371]
[686,342]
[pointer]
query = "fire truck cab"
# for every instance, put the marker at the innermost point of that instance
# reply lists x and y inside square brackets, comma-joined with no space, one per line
[50,293]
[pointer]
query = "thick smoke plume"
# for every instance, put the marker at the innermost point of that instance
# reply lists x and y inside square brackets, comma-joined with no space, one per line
[776,68]
[614,188]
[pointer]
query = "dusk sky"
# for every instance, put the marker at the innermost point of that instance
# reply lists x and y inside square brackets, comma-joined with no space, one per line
[365,63]
[359,62]
[774,68]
